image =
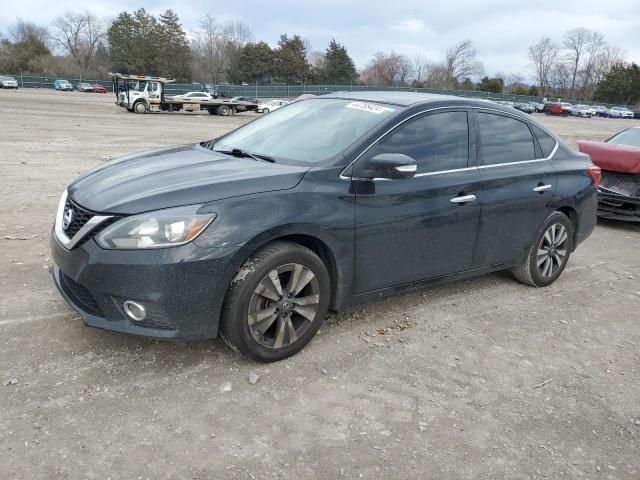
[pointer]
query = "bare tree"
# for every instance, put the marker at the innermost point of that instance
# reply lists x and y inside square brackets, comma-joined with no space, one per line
[595,45]
[420,67]
[461,62]
[576,42]
[383,69]
[23,31]
[606,59]
[216,43]
[542,56]
[406,71]
[437,75]
[79,35]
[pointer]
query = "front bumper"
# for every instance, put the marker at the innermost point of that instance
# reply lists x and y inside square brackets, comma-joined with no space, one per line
[182,288]
[618,207]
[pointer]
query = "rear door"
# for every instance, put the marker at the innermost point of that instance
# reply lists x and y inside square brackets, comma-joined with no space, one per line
[518,183]
[413,229]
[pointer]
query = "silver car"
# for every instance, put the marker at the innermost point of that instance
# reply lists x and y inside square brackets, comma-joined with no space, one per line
[8,82]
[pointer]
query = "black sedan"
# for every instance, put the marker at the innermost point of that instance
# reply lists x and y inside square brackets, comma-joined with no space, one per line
[319,205]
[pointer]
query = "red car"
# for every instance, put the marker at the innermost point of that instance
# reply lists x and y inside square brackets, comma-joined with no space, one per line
[619,159]
[559,108]
[98,88]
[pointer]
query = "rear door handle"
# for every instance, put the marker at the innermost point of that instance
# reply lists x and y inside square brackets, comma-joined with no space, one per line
[463,199]
[542,188]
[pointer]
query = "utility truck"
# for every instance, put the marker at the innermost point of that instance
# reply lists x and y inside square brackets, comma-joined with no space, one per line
[142,94]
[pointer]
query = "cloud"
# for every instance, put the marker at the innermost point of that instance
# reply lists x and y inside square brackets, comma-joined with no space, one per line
[411,25]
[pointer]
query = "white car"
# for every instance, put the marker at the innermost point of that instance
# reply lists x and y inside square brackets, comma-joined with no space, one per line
[581,111]
[195,96]
[620,112]
[8,82]
[271,105]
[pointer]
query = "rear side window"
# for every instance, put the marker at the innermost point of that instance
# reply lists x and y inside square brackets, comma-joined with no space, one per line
[504,140]
[436,142]
[547,142]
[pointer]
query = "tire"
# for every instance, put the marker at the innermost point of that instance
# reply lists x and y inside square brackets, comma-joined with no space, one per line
[139,107]
[252,294]
[224,110]
[265,111]
[540,276]
[213,111]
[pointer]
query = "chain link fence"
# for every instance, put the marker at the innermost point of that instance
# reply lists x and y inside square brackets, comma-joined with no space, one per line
[286,91]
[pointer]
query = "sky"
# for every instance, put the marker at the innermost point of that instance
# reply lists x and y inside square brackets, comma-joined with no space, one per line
[501,31]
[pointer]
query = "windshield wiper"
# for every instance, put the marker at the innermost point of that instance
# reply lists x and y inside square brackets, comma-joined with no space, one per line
[237,152]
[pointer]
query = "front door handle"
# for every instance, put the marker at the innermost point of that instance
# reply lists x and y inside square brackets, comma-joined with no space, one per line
[463,199]
[542,188]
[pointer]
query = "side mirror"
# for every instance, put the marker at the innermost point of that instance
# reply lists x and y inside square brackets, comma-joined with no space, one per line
[394,166]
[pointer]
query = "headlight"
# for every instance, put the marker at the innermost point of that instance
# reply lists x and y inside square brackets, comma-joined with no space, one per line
[163,228]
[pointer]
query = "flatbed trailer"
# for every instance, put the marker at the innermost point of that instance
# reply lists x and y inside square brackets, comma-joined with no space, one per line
[142,94]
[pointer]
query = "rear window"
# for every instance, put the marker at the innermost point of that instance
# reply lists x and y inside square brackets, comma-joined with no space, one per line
[547,142]
[504,139]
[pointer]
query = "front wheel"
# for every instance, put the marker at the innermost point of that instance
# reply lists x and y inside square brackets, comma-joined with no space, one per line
[549,252]
[276,303]
[140,107]
[265,111]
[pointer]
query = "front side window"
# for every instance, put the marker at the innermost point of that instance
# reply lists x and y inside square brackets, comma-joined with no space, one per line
[437,142]
[504,139]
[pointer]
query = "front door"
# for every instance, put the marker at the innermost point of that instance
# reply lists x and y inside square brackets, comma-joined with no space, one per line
[423,227]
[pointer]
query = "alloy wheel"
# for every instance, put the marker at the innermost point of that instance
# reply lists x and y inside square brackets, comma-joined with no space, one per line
[552,250]
[283,305]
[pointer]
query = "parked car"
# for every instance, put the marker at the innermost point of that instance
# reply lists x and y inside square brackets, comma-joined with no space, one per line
[538,106]
[581,111]
[63,85]
[84,87]
[196,96]
[620,112]
[559,108]
[242,108]
[271,105]
[601,111]
[329,202]
[97,88]
[8,82]
[619,159]
[524,107]
[636,112]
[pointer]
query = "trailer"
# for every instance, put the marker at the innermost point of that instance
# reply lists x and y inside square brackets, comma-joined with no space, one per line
[142,94]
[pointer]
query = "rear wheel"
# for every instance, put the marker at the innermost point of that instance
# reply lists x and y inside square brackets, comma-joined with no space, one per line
[265,111]
[549,252]
[276,303]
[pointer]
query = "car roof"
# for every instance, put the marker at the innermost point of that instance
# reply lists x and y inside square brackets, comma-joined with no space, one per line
[403,99]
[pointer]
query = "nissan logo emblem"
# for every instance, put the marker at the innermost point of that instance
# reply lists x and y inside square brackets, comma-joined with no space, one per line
[67,218]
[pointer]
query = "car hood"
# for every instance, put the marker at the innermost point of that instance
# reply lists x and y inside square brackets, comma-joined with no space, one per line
[612,157]
[176,176]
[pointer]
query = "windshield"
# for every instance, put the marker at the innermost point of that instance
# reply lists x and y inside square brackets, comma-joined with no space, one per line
[627,137]
[308,131]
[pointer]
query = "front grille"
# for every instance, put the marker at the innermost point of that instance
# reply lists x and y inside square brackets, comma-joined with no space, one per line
[79,219]
[80,295]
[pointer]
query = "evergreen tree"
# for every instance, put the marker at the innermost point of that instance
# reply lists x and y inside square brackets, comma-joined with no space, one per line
[291,60]
[620,85]
[338,67]
[254,63]
[174,53]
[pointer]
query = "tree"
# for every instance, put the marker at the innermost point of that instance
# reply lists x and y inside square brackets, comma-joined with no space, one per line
[254,64]
[133,42]
[383,69]
[28,49]
[461,61]
[79,34]
[575,42]
[291,60]
[621,85]
[174,58]
[420,67]
[495,85]
[542,56]
[338,67]
[533,91]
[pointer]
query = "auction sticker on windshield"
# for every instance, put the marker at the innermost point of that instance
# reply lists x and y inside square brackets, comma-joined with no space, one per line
[369,107]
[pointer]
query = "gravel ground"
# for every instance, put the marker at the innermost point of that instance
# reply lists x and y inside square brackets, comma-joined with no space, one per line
[484,378]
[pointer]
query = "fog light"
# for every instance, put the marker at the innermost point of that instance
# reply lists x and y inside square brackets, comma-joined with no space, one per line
[135,311]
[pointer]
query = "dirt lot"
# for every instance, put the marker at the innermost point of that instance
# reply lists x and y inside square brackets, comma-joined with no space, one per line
[481,379]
